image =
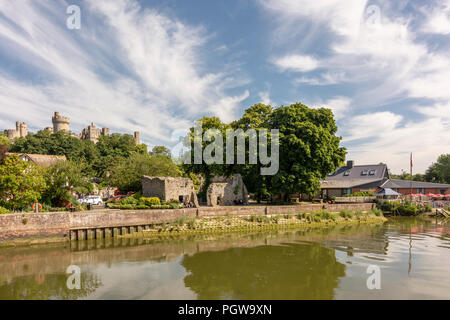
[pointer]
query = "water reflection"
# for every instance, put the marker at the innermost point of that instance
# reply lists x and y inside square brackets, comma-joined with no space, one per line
[322,264]
[292,271]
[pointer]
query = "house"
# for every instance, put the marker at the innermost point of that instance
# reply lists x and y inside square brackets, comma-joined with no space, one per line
[355,178]
[41,160]
[169,188]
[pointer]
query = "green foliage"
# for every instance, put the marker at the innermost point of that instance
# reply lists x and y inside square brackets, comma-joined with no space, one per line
[4,210]
[346,214]
[21,183]
[309,149]
[161,150]
[440,170]
[360,194]
[152,201]
[64,178]
[126,173]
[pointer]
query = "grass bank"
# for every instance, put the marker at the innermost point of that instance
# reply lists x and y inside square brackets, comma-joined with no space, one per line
[228,224]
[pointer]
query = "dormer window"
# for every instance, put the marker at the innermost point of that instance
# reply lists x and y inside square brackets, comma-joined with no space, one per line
[364,172]
[372,172]
[347,173]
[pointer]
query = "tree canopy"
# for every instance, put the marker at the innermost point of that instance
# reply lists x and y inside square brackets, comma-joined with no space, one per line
[309,149]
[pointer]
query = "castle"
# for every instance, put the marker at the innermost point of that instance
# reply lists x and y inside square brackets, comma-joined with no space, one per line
[61,123]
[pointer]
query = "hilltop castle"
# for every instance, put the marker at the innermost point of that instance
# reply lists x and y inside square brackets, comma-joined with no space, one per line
[61,123]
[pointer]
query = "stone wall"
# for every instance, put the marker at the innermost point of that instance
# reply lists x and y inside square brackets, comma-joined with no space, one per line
[59,224]
[168,188]
[227,192]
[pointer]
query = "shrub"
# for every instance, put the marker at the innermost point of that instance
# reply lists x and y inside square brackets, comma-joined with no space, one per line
[152,201]
[128,200]
[360,194]
[407,210]
[191,224]
[301,216]
[181,221]
[447,208]
[142,207]
[3,210]
[428,208]
[174,205]
[275,219]
[126,207]
[346,214]
[377,212]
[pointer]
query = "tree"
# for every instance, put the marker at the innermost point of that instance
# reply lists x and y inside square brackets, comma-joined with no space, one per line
[439,171]
[21,183]
[161,150]
[126,174]
[309,148]
[256,117]
[64,178]
[208,171]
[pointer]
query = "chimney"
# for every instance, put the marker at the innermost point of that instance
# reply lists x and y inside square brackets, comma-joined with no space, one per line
[136,137]
[350,164]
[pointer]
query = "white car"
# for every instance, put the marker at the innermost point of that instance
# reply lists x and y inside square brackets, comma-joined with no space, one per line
[94,200]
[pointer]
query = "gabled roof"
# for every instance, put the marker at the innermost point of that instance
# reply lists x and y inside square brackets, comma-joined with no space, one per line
[396,183]
[350,183]
[361,172]
[41,160]
[387,192]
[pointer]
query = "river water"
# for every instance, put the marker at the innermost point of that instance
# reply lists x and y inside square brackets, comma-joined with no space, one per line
[411,257]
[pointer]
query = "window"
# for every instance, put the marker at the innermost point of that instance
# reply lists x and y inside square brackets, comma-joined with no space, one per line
[372,172]
[347,173]
[346,191]
[364,172]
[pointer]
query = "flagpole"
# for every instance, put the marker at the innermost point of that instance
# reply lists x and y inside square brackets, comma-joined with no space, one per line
[411,178]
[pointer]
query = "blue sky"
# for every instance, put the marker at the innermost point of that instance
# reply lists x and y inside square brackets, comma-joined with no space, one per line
[155,66]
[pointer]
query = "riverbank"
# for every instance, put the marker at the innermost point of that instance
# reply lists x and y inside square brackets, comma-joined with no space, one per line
[31,228]
[233,224]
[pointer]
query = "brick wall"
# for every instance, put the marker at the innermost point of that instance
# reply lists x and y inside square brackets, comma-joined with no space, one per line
[59,224]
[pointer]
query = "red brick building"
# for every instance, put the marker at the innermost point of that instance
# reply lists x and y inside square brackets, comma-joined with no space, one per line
[354,178]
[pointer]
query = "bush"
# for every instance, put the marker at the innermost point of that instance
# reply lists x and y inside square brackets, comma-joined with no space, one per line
[4,210]
[447,208]
[174,205]
[128,200]
[360,194]
[377,212]
[346,214]
[407,210]
[126,207]
[152,201]
[142,207]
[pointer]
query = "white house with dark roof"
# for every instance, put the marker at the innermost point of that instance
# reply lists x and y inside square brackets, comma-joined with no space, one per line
[354,178]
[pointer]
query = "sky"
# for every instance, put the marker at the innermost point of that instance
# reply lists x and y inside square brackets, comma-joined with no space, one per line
[156,66]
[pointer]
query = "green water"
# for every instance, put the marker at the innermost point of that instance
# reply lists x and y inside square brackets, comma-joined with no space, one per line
[413,257]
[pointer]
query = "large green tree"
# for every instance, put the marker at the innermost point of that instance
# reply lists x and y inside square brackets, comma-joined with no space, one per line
[64,178]
[126,173]
[440,170]
[309,148]
[21,183]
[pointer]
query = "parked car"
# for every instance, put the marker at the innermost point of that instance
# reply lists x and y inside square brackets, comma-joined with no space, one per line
[94,200]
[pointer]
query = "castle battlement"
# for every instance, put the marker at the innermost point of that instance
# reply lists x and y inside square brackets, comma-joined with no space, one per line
[61,123]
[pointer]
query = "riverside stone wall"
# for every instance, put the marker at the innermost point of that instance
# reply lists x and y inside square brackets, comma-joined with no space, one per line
[60,224]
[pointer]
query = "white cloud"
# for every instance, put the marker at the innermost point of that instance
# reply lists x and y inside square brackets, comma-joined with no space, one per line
[339,105]
[382,61]
[438,20]
[297,63]
[128,68]
[265,97]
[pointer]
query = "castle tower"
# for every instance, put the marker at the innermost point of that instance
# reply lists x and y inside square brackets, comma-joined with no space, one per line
[23,130]
[136,137]
[60,123]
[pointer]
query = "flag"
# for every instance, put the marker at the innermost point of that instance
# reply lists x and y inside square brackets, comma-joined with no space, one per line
[411,160]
